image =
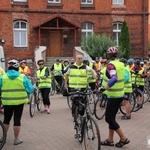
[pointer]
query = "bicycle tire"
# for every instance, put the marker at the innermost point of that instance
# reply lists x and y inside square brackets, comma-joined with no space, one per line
[69,102]
[3,135]
[53,89]
[100,107]
[92,138]
[138,107]
[39,102]
[32,104]
[132,104]
[146,94]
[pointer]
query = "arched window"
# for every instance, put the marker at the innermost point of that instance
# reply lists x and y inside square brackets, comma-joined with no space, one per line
[20,34]
[116,31]
[87,29]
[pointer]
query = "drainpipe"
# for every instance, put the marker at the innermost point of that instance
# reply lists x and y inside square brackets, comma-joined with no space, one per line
[144,30]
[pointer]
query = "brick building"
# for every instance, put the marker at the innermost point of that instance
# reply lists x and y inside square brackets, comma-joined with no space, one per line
[62,24]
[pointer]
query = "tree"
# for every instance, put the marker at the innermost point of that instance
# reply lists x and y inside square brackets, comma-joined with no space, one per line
[124,42]
[96,45]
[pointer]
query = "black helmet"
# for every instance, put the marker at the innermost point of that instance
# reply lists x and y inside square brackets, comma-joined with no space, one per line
[123,60]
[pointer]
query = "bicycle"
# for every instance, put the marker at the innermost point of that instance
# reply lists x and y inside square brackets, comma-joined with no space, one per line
[86,127]
[3,135]
[35,98]
[55,86]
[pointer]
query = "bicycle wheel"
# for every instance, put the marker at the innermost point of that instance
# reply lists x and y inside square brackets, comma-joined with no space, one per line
[69,102]
[39,101]
[32,104]
[138,104]
[91,135]
[3,134]
[100,107]
[53,89]
[146,94]
[132,102]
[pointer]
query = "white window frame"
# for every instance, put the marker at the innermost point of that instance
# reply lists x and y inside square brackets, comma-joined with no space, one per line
[117,32]
[19,0]
[86,30]
[86,2]
[21,33]
[54,1]
[118,2]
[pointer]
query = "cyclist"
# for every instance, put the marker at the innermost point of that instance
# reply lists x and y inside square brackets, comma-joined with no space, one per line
[138,71]
[44,84]
[76,78]
[91,80]
[23,68]
[58,69]
[97,64]
[2,72]
[115,93]
[15,89]
[127,89]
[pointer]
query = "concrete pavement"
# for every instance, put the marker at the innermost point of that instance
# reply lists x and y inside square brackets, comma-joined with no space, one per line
[55,131]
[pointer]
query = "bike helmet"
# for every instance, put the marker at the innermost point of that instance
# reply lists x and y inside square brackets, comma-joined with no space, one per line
[123,60]
[66,60]
[130,61]
[23,61]
[112,51]
[96,59]
[14,63]
[137,62]
[57,60]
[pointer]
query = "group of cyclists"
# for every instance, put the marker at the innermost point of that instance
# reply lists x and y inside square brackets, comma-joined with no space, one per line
[112,75]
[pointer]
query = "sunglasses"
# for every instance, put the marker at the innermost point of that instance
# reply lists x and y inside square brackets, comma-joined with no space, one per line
[41,64]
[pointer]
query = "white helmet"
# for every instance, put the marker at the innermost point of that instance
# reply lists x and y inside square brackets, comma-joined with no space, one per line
[14,63]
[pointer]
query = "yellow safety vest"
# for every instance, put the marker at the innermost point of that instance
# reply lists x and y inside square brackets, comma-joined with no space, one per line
[117,90]
[78,76]
[90,75]
[57,69]
[43,82]
[13,91]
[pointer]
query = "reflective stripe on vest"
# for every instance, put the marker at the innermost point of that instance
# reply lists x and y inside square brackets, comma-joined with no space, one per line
[117,90]
[78,76]
[43,82]
[13,95]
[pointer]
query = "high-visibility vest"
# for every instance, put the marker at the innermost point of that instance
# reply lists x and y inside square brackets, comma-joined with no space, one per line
[57,69]
[117,90]
[13,91]
[78,76]
[90,75]
[43,82]
[24,70]
[128,85]
[139,80]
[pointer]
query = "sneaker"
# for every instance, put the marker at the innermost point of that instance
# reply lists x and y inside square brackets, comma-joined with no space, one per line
[48,111]
[18,141]
[42,111]
[126,117]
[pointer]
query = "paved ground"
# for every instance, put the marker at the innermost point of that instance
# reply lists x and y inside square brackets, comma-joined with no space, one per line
[55,131]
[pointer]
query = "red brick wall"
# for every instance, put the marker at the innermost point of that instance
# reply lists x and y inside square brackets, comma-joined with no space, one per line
[100,16]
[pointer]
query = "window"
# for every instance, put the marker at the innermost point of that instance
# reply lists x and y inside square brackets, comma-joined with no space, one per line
[54,1]
[20,34]
[118,2]
[87,29]
[86,1]
[116,31]
[20,0]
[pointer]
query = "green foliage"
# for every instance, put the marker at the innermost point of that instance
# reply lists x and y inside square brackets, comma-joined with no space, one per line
[96,45]
[124,41]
